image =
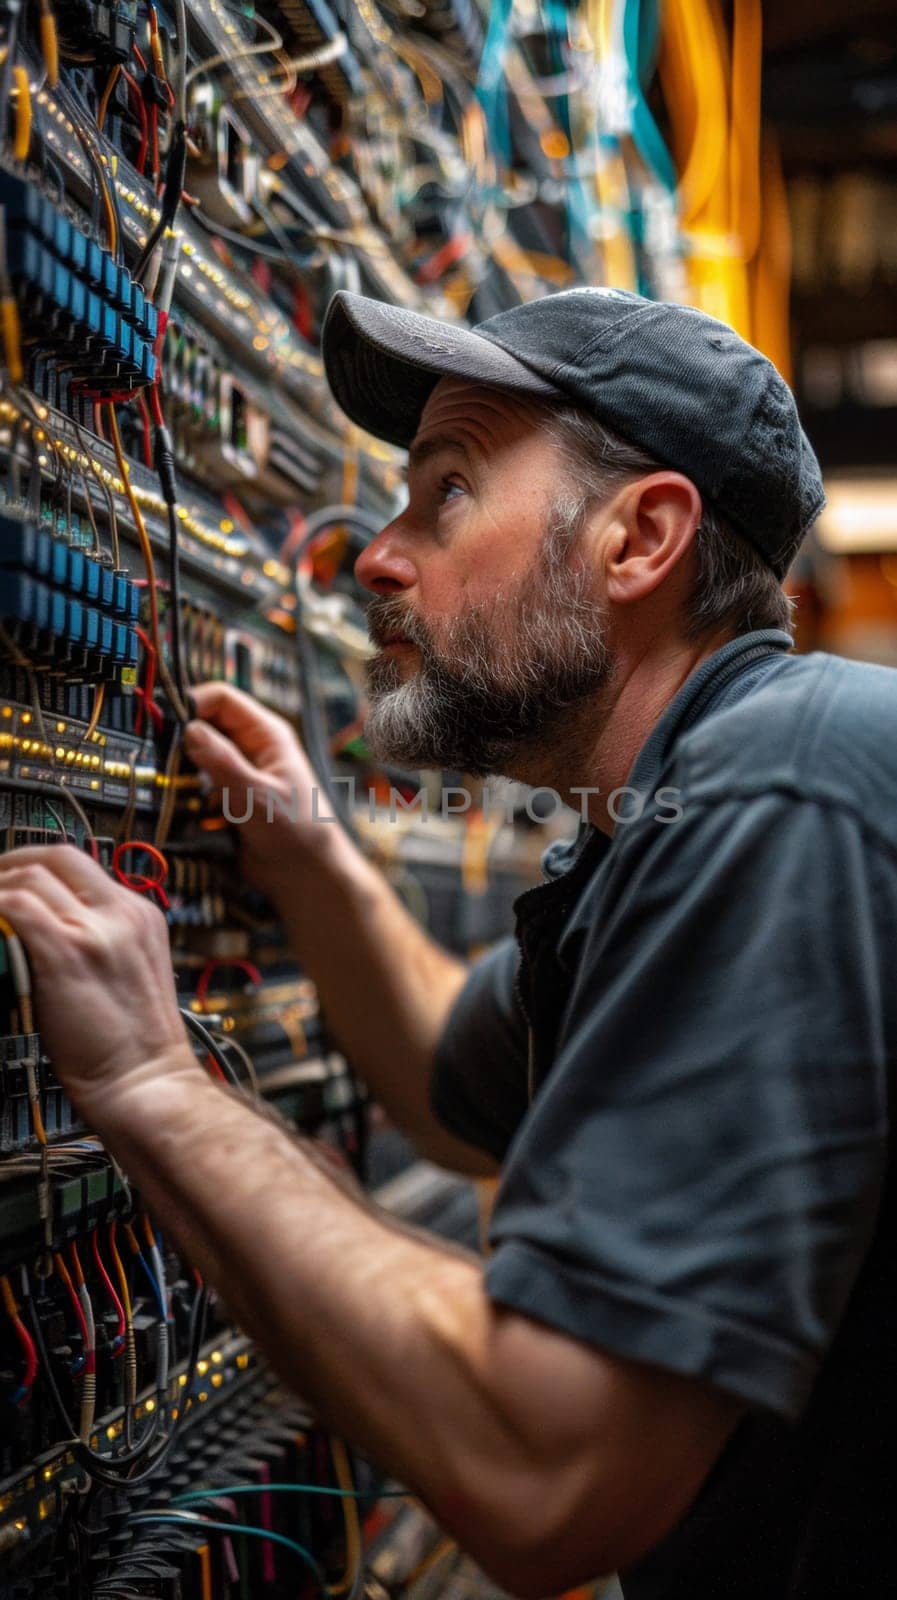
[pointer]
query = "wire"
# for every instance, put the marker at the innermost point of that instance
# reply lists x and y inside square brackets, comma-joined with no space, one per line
[22,135]
[263,47]
[43,786]
[99,695]
[110,1290]
[29,1352]
[354,1574]
[175,700]
[142,883]
[201,1032]
[114,1471]
[237,963]
[183,1519]
[21,975]
[231,1490]
[49,42]
[107,94]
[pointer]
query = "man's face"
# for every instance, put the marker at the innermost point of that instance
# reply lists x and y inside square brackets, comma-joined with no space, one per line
[489,626]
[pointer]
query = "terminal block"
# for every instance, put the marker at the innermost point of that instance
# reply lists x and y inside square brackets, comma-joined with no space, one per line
[82,305]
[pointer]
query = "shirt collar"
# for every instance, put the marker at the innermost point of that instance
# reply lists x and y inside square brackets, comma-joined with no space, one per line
[717,679]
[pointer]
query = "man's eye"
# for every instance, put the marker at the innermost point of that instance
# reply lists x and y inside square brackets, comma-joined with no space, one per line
[448,488]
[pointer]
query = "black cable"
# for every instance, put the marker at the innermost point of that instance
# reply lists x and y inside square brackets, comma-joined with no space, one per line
[164,461]
[175,169]
[106,1470]
[87,1458]
[248,241]
[207,1040]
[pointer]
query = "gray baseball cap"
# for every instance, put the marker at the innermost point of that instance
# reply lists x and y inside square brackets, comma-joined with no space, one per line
[680,384]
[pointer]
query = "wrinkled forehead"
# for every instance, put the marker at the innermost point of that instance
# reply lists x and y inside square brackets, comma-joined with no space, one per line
[484,415]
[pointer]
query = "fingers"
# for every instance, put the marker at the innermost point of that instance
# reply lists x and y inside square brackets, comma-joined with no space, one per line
[219,757]
[261,736]
[63,865]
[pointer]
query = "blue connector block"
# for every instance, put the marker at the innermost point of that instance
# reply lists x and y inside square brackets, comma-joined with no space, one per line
[78,250]
[62,236]
[59,566]
[92,570]
[77,566]
[77,299]
[95,257]
[74,621]
[120,596]
[91,628]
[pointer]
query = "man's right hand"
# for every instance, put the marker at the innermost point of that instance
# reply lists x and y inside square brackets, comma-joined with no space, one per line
[255,756]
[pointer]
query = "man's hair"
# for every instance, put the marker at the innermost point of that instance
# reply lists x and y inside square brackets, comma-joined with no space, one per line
[733,586]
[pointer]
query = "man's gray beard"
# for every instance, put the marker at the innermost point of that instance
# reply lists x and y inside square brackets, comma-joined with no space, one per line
[505,676]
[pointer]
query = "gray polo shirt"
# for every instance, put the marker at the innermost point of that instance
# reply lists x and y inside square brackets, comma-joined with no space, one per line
[686,1075]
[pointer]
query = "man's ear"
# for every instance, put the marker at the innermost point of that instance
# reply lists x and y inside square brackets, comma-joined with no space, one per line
[649,530]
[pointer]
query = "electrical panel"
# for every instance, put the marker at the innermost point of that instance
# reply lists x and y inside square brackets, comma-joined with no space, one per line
[181,191]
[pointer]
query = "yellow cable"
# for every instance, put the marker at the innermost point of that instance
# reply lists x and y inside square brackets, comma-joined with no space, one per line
[9,1299]
[744,144]
[343,1472]
[21,143]
[12,338]
[49,42]
[107,94]
[121,1275]
[99,695]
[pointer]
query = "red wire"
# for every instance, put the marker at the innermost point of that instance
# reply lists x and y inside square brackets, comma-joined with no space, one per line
[141,882]
[62,1269]
[28,1348]
[30,1353]
[156,403]
[110,1289]
[213,1068]
[149,681]
[205,977]
[147,429]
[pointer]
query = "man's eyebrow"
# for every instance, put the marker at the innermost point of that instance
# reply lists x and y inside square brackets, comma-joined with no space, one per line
[438,444]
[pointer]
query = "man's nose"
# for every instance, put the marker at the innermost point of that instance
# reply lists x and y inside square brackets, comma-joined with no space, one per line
[383,567]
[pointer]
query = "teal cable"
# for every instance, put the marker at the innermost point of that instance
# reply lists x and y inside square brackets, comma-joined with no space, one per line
[179,1520]
[491,89]
[637,34]
[228,1490]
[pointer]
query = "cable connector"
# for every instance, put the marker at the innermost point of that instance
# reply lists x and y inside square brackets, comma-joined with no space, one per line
[164,462]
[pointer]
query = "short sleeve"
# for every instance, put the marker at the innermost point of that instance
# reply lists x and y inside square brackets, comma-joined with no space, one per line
[698,1180]
[478,1088]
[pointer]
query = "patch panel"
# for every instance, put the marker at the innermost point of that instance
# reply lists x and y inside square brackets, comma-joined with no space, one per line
[74,298]
[166,442]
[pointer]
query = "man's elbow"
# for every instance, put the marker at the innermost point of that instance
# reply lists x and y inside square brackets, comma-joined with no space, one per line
[533,1544]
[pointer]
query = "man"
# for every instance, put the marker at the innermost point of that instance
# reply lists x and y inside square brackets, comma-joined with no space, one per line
[676,1359]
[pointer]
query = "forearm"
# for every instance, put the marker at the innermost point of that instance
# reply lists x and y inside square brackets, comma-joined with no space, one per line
[389,1336]
[386,988]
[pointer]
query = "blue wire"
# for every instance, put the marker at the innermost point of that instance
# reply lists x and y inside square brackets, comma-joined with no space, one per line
[229,1490]
[235,1527]
[155,1287]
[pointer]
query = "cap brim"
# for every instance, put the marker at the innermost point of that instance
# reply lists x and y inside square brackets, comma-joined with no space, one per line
[382,362]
